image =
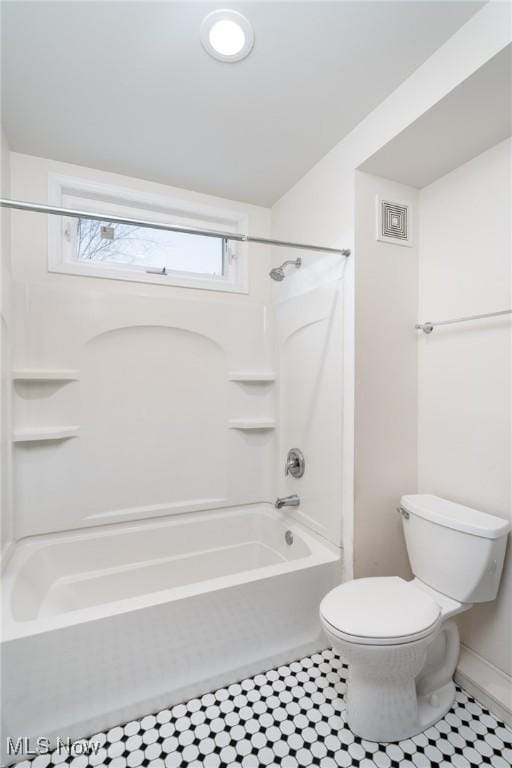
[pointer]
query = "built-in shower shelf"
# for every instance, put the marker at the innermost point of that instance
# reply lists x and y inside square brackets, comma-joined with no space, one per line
[252,424]
[32,374]
[253,377]
[44,433]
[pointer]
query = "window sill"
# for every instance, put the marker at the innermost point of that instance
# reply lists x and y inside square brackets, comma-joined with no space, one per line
[170,280]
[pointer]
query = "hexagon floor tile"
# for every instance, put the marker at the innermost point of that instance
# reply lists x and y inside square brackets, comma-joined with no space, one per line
[289,717]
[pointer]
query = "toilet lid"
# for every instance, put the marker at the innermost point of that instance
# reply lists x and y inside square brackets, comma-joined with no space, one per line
[380,611]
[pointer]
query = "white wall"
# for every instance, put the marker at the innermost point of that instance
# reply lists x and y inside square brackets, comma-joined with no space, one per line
[321,208]
[6,523]
[154,399]
[29,181]
[320,205]
[385,383]
[465,385]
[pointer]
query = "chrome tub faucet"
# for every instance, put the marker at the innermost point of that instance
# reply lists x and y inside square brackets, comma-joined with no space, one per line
[287,501]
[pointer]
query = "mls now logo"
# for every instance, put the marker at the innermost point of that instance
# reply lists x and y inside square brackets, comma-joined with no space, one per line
[23,745]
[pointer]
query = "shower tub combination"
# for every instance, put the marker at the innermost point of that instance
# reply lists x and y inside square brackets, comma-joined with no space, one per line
[103,625]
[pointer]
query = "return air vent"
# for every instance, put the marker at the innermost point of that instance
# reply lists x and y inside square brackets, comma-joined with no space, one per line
[394,222]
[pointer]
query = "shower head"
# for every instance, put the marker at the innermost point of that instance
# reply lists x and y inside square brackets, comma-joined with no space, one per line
[277,273]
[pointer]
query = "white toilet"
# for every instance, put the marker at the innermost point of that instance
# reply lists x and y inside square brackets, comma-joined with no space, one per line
[397,636]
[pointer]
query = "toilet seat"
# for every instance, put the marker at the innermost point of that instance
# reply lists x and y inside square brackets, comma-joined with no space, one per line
[380,611]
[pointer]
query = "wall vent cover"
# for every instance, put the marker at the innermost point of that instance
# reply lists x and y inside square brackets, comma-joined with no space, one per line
[394,222]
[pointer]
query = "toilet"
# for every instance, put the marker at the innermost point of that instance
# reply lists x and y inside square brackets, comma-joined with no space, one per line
[398,637]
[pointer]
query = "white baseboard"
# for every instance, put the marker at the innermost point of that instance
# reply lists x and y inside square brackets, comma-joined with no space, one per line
[487,683]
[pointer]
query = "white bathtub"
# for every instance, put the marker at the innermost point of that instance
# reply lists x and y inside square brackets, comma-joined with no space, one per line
[101,626]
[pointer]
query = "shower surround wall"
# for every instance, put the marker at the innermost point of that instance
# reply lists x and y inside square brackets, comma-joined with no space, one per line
[157,409]
[309,328]
[179,397]
[6,521]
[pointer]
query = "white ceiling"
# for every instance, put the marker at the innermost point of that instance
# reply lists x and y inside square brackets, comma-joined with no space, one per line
[472,118]
[127,87]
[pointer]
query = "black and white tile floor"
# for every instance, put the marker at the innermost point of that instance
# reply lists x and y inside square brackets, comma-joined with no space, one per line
[289,717]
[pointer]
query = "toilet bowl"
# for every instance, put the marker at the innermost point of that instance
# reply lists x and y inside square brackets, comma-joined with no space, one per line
[398,637]
[393,631]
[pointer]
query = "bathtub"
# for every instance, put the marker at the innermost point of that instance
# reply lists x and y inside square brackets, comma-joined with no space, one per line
[103,625]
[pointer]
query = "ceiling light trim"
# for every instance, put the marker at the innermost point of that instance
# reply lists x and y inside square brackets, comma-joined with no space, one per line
[235,17]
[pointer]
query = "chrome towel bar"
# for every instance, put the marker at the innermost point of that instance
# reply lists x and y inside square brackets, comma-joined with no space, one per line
[429,327]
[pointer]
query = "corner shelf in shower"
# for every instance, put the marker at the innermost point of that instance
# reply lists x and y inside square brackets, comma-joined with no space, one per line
[32,374]
[253,377]
[45,433]
[252,424]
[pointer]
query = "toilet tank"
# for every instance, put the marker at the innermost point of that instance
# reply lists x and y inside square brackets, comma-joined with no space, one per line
[454,549]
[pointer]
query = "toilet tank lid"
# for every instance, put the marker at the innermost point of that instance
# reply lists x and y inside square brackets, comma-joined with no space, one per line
[456,516]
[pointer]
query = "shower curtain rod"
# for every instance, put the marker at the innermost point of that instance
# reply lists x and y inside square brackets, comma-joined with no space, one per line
[71,213]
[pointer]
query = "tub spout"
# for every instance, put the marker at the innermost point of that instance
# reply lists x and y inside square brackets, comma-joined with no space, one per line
[287,501]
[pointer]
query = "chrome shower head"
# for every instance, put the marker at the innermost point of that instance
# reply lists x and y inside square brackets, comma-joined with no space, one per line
[277,273]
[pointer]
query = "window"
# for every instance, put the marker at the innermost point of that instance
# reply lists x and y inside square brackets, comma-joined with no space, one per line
[141,248]
[103,248]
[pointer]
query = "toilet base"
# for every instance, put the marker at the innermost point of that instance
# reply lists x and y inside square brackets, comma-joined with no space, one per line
[434,707]
[428,713]
[396,692]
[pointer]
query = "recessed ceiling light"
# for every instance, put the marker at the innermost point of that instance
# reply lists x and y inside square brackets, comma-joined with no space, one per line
[227,35]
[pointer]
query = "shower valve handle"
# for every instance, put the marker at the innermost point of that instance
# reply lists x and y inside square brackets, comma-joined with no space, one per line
[295,463]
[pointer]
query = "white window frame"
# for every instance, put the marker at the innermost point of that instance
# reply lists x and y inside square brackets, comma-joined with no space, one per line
[103,199]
